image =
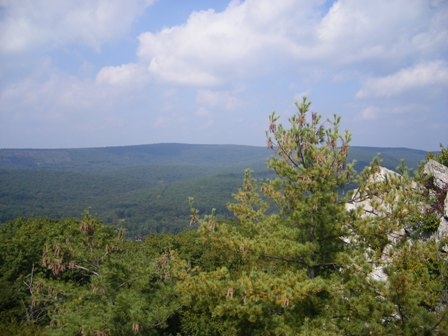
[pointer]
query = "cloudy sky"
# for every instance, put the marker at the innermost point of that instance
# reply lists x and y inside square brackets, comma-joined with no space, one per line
[91,73]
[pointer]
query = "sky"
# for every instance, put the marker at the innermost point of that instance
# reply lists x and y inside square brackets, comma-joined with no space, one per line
[94,73]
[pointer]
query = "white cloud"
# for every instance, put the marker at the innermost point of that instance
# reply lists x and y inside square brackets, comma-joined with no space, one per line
[369,113]
[63,110]
[162,121]
[210,104]
[126,75]
[181,72]
[354,31]
[252,38]
[250,58]
[27,25]
[244,39]
[221,100]
[419,76]
[60,97]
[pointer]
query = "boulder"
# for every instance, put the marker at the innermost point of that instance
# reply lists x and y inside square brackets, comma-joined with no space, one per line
[442,232]
[445,210]
[439,172]
[365,201]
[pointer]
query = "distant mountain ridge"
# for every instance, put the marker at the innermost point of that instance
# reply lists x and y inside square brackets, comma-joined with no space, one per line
[120,156]
[145,188]
[178,153]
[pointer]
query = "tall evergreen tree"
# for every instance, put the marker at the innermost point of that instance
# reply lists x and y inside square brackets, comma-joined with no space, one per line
[300,260]
[290,254]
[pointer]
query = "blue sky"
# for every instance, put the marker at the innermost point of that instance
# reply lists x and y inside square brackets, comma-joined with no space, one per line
[93,73]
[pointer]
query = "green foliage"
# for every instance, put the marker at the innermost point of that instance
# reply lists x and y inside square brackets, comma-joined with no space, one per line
[441,157]
[302,255]
[102,284]
[22,329]
[436,192]
[277,274]
[309,266]
[143,188]
[311,166]
[146,199]
[22,241]
[418,277]
[75,277]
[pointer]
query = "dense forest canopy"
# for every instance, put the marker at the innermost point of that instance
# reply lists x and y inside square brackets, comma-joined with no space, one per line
[143,188]
[293,259]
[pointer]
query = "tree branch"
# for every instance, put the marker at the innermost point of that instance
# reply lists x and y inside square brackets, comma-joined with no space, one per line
[85,269]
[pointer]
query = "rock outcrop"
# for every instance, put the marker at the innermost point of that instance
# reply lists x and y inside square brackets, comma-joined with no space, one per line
[439,175]
[437,172]
[365,201]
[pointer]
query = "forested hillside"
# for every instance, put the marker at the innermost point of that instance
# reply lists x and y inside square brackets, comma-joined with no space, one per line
[301,254]
[110,158]
[143,188]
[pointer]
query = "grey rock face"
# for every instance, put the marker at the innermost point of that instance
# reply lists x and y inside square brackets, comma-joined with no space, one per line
[432,168]
[439,172]
[442,232]
[445,213]
[364,202]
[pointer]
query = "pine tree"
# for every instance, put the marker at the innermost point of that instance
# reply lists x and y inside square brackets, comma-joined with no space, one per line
[289,254]
[307,256]
[99,284]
